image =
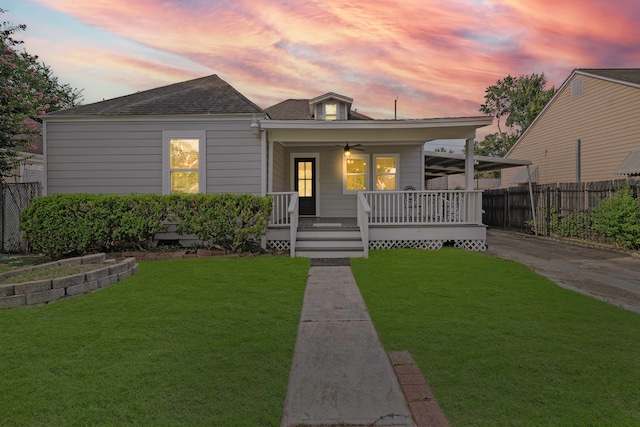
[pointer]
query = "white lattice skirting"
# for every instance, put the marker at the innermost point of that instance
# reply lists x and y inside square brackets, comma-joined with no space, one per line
[279,245]
[431,245]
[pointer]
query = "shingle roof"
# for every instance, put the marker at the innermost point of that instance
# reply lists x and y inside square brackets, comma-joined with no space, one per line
[630,75]
[206,95]
[291,109]
[298,109]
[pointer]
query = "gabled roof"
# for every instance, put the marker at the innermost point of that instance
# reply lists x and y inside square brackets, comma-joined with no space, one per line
[298,109]
[619,75]
[626,76]
[331,95]
[206,95]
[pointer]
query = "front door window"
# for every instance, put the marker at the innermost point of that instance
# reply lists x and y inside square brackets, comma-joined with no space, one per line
[305,185]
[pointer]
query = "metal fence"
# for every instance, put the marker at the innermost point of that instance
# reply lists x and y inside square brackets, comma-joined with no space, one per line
[562,209]
[14,198]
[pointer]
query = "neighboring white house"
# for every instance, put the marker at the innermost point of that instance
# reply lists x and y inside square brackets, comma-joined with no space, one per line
[588,131]
[342,183]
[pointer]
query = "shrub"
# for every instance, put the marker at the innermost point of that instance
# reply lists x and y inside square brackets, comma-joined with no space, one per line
[66,224]
[619,218]
[231,222]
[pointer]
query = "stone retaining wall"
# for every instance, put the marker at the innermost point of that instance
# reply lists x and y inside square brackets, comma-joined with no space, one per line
[107,272]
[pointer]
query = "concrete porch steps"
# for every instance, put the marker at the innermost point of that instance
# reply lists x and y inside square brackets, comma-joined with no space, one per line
[329,243]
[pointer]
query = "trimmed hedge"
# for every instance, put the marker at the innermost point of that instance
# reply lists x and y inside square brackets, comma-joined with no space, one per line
[65,224]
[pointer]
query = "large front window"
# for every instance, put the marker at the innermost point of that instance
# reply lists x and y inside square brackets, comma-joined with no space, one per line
[386,167]
[183,158]
[355,173]
[184,164]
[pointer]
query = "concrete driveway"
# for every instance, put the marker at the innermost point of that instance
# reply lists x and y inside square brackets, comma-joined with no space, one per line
[609,275]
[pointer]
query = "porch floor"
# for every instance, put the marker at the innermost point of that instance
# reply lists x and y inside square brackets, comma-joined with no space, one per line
[308,223]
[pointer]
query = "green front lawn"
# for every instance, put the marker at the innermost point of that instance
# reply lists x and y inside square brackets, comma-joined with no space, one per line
[500,345]
[184,342]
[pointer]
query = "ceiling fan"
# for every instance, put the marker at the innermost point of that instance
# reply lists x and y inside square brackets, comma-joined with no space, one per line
[349,148]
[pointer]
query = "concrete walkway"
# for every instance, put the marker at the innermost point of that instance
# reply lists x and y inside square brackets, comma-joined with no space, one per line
[340,373]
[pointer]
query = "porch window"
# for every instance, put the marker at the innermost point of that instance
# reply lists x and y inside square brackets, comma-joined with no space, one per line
[386,170]
[355,174]
[183,171]
[331,111]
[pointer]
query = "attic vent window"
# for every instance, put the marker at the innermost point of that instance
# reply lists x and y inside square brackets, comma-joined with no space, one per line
[576,87]
[331,111]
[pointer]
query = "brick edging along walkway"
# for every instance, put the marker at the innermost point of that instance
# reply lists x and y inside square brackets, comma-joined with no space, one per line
[423,405]
[107,272]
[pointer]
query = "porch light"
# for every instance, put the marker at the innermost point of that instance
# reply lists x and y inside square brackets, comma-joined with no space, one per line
[255,126]
[347,151]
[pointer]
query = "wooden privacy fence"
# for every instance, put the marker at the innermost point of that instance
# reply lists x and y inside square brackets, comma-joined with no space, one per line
[562,209]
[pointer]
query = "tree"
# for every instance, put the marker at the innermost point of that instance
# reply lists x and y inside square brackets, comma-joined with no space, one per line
[517,100]
[28,89]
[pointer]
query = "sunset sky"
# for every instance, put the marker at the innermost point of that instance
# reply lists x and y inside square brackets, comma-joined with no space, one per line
[435,56]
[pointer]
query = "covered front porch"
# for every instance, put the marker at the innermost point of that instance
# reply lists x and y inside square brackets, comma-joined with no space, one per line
[330,200]
[385,220]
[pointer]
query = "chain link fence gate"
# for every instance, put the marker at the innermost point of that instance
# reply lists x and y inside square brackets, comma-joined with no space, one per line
[14,198]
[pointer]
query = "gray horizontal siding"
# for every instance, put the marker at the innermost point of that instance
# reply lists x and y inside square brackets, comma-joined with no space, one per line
[333,203]
[126,157]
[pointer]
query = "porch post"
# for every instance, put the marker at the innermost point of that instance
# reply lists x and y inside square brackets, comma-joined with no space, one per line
[468,165]
[263,161]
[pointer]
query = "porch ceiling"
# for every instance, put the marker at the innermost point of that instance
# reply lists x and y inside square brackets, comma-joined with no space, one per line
[440,164]
[373,131]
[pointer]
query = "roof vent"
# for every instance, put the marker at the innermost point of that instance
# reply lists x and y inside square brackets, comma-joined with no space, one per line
[576,86]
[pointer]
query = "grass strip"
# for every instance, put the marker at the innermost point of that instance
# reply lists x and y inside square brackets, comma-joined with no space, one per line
[501,345]
[183,342]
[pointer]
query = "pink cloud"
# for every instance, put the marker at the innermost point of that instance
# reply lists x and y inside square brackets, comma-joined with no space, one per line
[438,57]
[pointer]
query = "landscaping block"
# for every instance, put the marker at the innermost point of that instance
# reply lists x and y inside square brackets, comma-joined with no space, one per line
[12,301]
[107,281]
[29,287]
[9,274]
[46,296]
[125,274]
[130,262]
[70,261]
[63,282]
[97,274]
[118,268]
[93,258]
[82,288]
[43,266]
[6,290]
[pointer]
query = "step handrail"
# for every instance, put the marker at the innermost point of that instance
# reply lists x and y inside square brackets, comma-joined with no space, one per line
[364,210]
[293,225]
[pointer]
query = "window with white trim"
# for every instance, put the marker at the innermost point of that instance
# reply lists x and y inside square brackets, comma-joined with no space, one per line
[331,111]
[183,162]
[355,173]
[386,171]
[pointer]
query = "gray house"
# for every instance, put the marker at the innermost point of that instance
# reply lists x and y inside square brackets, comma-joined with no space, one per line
[341,182]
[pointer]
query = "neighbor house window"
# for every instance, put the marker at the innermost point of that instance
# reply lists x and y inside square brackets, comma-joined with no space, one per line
[386,172]
[183,162]
[355,175]
[331,111]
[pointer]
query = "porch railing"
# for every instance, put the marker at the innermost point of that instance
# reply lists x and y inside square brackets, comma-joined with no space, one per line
[280,213]
[442,207]
[285,213]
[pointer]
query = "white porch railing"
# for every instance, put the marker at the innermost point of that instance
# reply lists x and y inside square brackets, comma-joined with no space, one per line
[442,207]
[285,213]
[280,213]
